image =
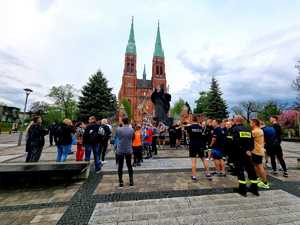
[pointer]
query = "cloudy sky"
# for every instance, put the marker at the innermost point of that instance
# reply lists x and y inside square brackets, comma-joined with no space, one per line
[251,47]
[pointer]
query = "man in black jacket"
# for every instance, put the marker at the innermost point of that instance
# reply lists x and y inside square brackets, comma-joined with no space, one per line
[35,140]
[91,140]
[276,150]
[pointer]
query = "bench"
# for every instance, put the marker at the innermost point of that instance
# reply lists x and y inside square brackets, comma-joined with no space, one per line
[46,170]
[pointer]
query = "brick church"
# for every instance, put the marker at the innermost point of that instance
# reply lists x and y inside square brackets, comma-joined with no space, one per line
[138,91]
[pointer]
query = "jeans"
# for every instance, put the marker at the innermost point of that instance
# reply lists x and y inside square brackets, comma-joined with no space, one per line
[62,153]
[95,149]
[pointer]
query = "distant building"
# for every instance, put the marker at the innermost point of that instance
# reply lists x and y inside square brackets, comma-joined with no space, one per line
[138,91]
[9,114]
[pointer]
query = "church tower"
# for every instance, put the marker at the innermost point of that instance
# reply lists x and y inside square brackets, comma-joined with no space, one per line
[158,64]
[129,79]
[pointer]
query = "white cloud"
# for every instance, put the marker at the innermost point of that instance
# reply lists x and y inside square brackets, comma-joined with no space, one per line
[51,42]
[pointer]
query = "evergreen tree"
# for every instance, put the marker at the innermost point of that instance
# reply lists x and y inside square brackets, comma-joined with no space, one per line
[216,107]
[201,103]
[97,98]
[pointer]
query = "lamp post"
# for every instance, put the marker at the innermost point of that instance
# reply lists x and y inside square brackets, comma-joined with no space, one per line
[27,92]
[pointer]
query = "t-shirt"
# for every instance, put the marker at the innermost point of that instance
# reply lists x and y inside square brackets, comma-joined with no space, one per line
[219,135]
[196,135]
[148,136]
[270,135]
[125,136]
[258,136]
[137,141]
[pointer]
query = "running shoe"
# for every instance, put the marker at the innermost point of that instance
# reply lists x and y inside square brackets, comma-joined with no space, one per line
[208,176]
[263,185]
[285,174]
[194,178]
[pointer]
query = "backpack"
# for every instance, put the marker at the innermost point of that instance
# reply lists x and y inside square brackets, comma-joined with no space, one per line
[59,133]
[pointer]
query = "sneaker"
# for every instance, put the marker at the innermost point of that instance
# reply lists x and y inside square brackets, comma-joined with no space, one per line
[285,174]
[121,185]
[104,162]
[194,178]
[98,171]
[208,176]
[263,185]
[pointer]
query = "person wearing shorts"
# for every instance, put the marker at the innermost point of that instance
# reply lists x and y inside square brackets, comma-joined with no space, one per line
[197,147]
[217,145]
[258,153]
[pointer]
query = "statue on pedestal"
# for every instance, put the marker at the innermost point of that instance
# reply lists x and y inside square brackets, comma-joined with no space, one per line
[161,101]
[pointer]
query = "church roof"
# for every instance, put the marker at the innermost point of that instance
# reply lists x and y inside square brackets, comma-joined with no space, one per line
[131,48]
[158,51]
[141,83]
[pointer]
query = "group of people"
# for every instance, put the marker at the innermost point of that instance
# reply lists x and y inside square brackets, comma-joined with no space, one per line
[244,146]
[91,137]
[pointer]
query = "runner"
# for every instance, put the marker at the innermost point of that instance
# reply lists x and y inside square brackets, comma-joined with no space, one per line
[217,145]
[197,147]
[258,153]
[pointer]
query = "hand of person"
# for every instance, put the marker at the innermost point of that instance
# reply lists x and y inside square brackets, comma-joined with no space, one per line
[248,153]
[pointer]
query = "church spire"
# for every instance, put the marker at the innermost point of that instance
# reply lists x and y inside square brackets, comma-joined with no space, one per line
[144,73]
[158,51]
[131,49]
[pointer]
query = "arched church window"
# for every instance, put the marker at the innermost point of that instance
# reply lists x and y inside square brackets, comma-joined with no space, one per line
[132,66]
[128,67]
[157,70]
[161,70]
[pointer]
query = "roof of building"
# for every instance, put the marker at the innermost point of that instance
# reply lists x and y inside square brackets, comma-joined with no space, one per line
[158,51]
[131,48]
[141,83]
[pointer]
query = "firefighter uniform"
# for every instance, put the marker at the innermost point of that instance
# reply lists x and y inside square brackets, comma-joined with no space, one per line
[243,142]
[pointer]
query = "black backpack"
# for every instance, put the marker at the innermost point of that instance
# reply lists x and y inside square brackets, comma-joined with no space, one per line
[96,134]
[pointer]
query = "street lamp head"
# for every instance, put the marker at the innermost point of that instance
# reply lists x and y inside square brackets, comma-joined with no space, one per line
[28,91]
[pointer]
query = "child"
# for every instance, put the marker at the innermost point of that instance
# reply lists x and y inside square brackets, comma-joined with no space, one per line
[137,146]
[79,135]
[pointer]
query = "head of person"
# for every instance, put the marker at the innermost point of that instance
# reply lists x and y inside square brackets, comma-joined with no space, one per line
[238,120]
[125,121]
[254,123]
[209,122]
[37,120]
[104,121]
[92,119]
[274,119]
[262,124]
[137,127]
[216,123]
[194,119]
[67,122]
[203,124]
[228,124]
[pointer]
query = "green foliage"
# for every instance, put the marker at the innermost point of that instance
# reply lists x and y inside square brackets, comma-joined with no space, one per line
[269,108]
[202,103]
[127,107]
[53,114]
[216,107]
[97,98]
[63,97]
[177,108]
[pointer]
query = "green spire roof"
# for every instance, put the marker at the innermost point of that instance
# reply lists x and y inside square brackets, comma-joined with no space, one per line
[131,42]
[158,51]
[144,73]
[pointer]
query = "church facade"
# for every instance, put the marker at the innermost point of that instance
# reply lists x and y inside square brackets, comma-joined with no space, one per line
[138,90]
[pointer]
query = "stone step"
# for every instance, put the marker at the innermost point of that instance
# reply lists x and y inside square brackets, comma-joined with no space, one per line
[272,207]
[230,198]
